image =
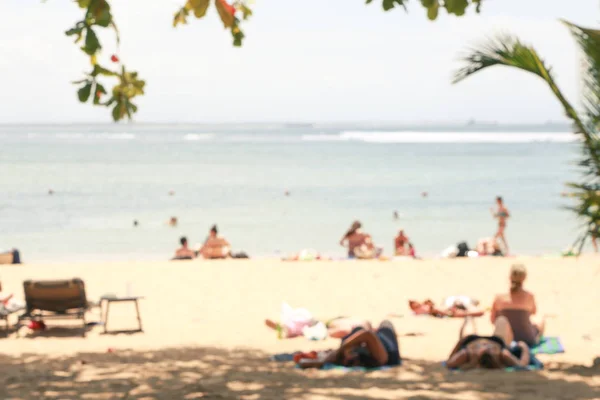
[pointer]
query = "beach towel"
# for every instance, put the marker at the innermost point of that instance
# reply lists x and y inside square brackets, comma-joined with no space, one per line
[289,357]
[548,345]
[534,363]
[329,367]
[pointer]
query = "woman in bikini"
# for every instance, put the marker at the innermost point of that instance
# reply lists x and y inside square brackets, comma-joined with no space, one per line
[362,348]
[518,306]
[491,352]
[400,243]
[501,214]
[359,243]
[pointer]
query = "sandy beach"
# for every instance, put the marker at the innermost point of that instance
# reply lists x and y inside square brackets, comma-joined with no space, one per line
[204,335]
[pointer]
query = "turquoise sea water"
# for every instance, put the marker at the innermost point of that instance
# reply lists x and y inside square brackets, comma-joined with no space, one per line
[105,176]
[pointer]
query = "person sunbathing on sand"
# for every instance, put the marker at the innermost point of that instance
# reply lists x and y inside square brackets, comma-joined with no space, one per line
[491,352]
[360,244]
[336,328]
[184,252]
[456,307]
[518,305]
[215,246]
[400,243]
[362,348]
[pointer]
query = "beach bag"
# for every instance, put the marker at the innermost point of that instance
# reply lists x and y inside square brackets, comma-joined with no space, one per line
[463,249]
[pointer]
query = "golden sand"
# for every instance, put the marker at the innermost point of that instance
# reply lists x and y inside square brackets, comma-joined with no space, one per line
[204,335]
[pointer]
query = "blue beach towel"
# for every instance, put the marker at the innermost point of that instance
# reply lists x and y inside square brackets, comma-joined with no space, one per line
[548,345]
[288,357]
[328,367]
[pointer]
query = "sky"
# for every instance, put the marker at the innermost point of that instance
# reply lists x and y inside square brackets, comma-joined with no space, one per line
[302,61]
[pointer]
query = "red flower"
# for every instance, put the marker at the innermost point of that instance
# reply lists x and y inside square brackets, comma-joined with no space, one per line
[114,58]
[230,9]
[98,94]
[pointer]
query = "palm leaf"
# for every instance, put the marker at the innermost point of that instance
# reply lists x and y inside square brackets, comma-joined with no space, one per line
[510,51]
[589,41]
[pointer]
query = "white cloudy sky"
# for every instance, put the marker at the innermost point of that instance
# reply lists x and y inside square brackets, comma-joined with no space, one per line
[311,60]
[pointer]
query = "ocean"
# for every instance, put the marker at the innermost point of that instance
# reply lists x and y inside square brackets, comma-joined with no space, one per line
[106,176]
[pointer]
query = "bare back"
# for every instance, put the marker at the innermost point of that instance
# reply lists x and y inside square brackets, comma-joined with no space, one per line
[356,240]
[518,300]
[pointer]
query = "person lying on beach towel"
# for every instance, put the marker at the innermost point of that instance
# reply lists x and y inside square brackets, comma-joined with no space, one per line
[361,348]
[490,352]
[298,321]
[455,307]
[517,306]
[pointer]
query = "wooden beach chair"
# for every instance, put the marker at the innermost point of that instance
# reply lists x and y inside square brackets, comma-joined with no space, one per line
[6,258]
[53,300]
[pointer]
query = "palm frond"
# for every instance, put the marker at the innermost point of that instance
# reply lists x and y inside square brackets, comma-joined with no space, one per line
[511,52]
[589,41]
[502,50]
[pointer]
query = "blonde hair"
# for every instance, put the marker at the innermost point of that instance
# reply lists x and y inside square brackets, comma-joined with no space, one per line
[518,273]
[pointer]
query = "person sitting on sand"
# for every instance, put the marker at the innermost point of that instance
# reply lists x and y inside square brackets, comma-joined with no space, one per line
[400,243]
[215,246]
[362,348]
[518,305]
[411,251]
[184,252]
[359,243]
[491,352]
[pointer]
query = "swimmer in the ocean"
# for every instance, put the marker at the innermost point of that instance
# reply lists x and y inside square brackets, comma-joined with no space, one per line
[135,222]
[501,213]
[173,221]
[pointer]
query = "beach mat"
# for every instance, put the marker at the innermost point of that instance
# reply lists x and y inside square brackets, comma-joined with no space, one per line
[289,357]
[534,363]
[329,367]
[548,345]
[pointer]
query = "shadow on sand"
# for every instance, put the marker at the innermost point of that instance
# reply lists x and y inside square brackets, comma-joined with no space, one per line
[211,373]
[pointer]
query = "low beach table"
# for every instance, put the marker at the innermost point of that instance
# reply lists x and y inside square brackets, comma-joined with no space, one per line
[115,299]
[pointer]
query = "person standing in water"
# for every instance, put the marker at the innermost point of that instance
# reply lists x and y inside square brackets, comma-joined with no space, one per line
[501,214]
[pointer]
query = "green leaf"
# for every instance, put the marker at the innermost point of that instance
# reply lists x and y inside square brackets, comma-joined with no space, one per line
[99,89]
[246,11]
[199,7]
[225,12]
[84,92]
[100,11]
[116,112]
[369,1]
[433,7]
[238,35]
[389,4]
[92,45]
[83,3]
[76,30]
[180,17]
[456,7]
[99,70]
